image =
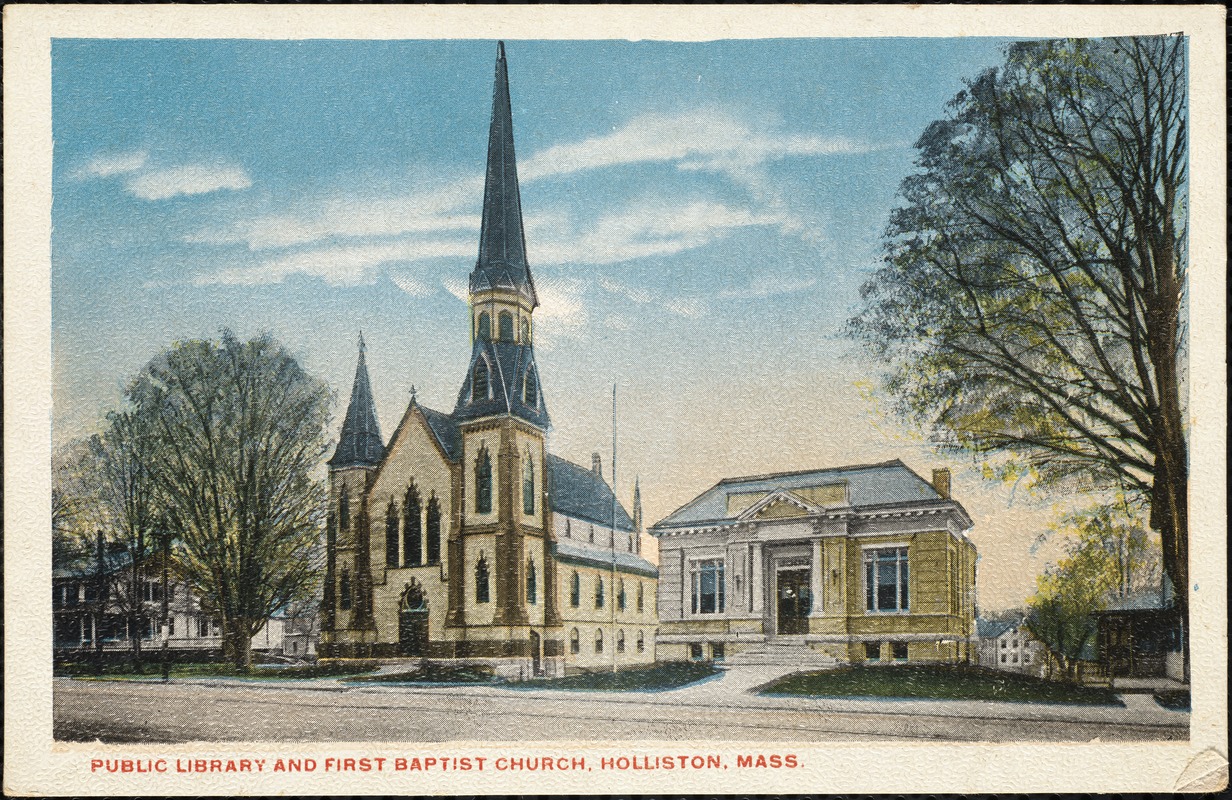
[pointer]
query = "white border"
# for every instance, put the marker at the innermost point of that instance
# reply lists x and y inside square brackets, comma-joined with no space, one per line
[34,765]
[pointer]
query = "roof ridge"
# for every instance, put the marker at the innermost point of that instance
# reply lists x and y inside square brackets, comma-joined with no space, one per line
[847,468]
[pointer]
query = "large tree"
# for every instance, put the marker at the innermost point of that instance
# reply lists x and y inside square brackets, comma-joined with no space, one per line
[240,430]
[1032,298]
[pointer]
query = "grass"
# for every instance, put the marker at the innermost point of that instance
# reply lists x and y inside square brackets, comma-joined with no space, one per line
[655,678]
[928,682]
[221,670]
[435,673]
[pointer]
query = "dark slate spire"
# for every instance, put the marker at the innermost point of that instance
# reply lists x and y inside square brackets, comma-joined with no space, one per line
[360,444]
[502,243]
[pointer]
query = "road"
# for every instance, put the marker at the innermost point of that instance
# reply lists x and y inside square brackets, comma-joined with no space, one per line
[129,711]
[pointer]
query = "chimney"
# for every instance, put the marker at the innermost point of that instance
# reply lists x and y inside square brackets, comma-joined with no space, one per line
[596,464]
[941,482]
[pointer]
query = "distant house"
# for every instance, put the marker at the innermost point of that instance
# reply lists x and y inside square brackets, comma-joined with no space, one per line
[193,633]
[857,564]
[1010,647]
[1140,636]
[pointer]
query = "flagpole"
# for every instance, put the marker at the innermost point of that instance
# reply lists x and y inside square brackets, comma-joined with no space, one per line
[615,597]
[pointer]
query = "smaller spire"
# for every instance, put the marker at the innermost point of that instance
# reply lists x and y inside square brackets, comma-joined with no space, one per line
[360,443]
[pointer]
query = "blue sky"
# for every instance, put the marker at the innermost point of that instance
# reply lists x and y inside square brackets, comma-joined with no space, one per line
[699,218]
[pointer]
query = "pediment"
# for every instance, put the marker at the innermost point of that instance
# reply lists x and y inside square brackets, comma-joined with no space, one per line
[780,504]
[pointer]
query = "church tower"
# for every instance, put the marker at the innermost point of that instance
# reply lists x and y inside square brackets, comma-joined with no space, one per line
[347,593]
[502,582]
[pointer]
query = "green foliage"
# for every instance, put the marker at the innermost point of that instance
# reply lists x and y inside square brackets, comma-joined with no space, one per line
[1031,301]
[669,675]
[434,672]
[238,431]
[927,682]
[1109,556]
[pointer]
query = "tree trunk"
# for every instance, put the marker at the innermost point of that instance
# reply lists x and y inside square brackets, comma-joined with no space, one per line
[237,644]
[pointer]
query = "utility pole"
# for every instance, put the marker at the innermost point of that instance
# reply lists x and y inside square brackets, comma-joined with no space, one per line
[615,597]
[100,598]
[166,622]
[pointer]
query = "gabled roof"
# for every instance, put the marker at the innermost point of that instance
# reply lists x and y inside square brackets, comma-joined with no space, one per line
[868,485]
[578,492]
[360,443]
[445,430]
[502,241]
[991,628]
[508,365]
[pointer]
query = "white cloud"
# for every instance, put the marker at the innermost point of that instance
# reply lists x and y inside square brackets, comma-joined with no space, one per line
[769,286]
[104,166]
[411,285]
[645,230]
[458,288]
[561,314]
[697,140]
[688,307]
[340,266]
[164,183]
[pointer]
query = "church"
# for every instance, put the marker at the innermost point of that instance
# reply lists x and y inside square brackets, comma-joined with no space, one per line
[462,536]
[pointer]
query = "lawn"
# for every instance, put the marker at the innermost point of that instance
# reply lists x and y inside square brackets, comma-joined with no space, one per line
[670,675]
[431,672]
[920,682]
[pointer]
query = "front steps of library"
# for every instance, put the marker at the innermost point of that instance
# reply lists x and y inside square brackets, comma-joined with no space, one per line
[782,653]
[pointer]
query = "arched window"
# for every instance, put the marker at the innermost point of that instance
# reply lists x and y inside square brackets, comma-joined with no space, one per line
[532,587]
[479,381]
[620,640]
[630,543]
[485,326]
[528,485]
[620,595]
[592,534]
[506,326]
[641,596]
[525,330]
[568,529]
[481,580]
[483,482]
[391,534]
[598,593]
[344,590]
[575,641]
[599,640]
[412,528]
[641,642]
[434,530]
[575,591]
[530,389]
[344,510]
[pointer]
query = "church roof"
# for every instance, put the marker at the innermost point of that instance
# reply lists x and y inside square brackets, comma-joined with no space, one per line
[578,492]
[508,365]
[360,443]
[502,241]
[573,553]
[445,429]
[888,483]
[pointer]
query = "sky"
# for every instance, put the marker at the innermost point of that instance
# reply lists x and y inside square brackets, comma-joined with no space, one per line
[699,218]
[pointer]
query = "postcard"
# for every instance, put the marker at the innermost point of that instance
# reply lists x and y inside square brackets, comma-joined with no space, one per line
[412,400]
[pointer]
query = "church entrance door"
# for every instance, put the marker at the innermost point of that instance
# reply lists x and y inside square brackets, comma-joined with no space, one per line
[536,666]
[413,620]
[794,602]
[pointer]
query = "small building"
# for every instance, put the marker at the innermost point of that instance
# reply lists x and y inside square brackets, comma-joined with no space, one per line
[1140,636]
[1010,647]
[867,563]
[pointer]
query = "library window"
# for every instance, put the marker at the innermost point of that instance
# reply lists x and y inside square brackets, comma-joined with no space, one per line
[885,579]
[708,586]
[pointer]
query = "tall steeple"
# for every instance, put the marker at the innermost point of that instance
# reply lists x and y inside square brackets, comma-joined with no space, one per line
[502,242]
[360,444]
